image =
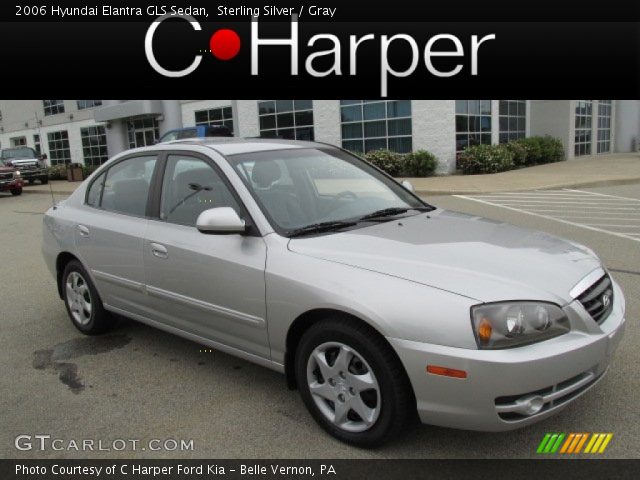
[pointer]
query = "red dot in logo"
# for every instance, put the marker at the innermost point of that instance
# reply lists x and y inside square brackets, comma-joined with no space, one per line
[224,44]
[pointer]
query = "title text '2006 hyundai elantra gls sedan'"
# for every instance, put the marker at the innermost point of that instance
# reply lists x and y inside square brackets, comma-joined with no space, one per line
[305,259]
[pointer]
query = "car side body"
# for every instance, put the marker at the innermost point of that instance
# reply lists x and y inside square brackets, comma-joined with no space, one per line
[411,281]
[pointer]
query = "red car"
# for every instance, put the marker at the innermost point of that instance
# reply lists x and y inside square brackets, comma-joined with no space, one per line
[10,179]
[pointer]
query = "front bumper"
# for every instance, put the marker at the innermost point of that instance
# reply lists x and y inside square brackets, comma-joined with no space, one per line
[33,174]
[559,370]
[10,184]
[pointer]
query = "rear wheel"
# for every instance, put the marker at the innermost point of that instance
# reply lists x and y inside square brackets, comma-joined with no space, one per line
[353,383]
[31,181]
[44,180]
[16,191]
[83,302]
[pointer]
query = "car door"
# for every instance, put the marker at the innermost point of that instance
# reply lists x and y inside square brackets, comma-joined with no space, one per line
[109,232]
[211,286]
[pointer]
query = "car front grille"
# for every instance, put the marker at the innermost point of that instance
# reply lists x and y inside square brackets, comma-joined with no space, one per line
[508,408]
[598,299]
[6,176]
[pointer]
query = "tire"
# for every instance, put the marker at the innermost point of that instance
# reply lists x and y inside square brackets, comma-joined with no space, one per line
[31,181]
[44,180]
[16,191]
[83,303]
[387,406]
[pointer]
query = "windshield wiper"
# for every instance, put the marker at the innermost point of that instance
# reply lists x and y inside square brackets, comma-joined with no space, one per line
[320,227]
[391,212]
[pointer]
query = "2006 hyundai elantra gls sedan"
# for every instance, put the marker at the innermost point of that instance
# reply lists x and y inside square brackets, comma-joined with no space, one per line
[304,258]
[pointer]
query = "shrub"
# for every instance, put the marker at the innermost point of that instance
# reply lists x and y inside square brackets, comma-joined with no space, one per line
[519,151]
[57,172]
[419,164]
[542,149]
[386,160]
[485,159]
[551,150]
[88,170]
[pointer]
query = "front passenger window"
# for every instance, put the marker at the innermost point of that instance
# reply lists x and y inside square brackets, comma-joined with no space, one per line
[126,187]
[191,186]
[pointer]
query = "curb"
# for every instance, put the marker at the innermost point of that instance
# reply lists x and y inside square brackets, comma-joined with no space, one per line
[594,183]
[46,192]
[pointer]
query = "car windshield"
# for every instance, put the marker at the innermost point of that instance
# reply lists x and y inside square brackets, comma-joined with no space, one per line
[323,188]
[17,153]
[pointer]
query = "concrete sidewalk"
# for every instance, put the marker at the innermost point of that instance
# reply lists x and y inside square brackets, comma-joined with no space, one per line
[595,170]
[590,171]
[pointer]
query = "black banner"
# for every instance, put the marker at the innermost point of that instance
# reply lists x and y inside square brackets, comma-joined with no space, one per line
[481,59]
[307,469]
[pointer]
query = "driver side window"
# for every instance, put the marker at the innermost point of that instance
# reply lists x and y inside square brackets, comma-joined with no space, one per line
[191,186]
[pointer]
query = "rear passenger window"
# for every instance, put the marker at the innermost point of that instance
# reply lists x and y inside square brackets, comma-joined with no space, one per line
[126,187]
[93,196]
[191,186]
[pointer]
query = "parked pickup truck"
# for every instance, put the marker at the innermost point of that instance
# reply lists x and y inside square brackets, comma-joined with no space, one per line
[27,161]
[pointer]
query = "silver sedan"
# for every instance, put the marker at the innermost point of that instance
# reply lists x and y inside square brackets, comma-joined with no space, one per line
[305,259]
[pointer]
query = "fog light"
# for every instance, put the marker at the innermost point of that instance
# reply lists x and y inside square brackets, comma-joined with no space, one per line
[530,405]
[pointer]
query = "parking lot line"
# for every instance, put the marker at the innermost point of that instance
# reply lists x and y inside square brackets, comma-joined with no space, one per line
[609,214]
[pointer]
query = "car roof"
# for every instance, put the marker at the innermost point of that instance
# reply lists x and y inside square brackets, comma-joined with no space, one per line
[238,145]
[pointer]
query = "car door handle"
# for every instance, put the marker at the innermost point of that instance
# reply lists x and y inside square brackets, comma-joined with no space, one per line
[82,230]
[158,250]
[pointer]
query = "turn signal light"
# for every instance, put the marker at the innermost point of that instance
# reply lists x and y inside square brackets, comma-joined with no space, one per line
[446,372]
[484,330]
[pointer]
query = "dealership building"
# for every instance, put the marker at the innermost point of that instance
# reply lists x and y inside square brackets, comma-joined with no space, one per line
[90,131]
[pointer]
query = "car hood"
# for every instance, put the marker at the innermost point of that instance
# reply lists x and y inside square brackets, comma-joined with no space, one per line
[482,259]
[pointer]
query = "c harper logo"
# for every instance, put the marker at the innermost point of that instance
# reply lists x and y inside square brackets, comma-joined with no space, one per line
[226,43]
[574,443]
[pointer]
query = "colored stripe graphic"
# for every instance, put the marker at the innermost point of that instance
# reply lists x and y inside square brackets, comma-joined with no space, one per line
[550,443]
[598,442]
[573,443]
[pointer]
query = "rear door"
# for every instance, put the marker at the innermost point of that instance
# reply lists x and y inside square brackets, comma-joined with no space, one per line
[110,232]
[212,286]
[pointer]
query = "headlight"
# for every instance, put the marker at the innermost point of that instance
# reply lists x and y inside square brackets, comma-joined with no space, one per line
[512,324]
[16,174]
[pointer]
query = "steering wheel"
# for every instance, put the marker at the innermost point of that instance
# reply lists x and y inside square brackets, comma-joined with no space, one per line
[347,194]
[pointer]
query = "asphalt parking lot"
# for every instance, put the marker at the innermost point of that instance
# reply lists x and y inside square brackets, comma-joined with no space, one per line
[140,383]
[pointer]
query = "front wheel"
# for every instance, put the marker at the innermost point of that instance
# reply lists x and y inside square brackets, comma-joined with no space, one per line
[352,382]
[16,191]
[83,302]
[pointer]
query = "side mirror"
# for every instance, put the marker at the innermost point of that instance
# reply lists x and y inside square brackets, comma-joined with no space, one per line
[43,157]
[222,220]
[407,185]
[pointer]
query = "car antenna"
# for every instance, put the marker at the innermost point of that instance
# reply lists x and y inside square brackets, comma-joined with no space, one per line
[53,200]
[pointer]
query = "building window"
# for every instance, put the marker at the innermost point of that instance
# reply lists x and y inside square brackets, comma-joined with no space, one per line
[473,123]
[373,125]
[215,116]
[94,145]
[18,141]
[584,112]
[513,120]
[59,151]
[82,104]
[142,132]
[604,126]
[36,144]
[52,107]
[291,119]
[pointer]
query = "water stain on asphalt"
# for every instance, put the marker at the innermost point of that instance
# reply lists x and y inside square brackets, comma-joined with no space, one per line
[54,359]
